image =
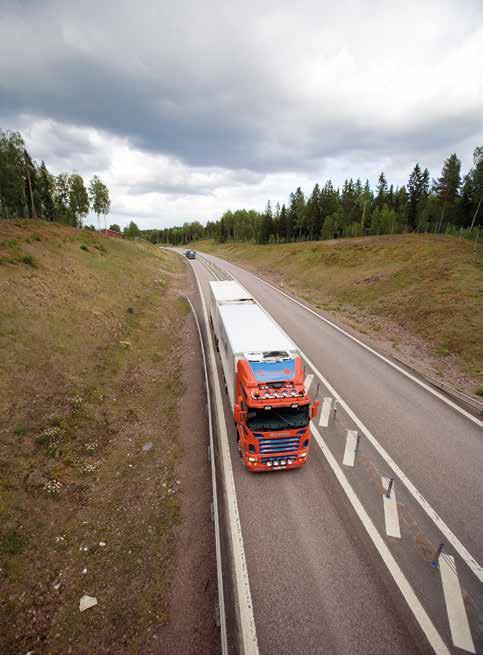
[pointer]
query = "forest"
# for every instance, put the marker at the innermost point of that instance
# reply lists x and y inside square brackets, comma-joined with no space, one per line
[451,203]
[30,190]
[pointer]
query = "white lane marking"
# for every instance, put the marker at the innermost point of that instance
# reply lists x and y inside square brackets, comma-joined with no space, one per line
[391,516]
[350,448]
[398,576]
[245,605]
[219,572]
[455,607]
[462,551]
[433,515]
[308,382]
[325,413]
[371,350]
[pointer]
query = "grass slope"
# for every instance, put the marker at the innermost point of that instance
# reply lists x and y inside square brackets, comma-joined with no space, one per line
[418,296]
[90,336]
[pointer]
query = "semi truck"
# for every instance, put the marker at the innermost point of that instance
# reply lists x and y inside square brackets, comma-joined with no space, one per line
[264,381]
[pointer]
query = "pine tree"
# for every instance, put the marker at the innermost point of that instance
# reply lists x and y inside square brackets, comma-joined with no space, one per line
[266,228]
[447,186]
[381,189]
[46,192]
[418,187]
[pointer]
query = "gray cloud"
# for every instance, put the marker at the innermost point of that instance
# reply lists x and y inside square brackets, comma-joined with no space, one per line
[209,105]
[269,89]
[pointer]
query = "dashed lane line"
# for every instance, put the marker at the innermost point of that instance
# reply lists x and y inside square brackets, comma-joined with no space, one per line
[350,448]
[462,551]
[325,413]
[455,607]
[308,382]
[427,626]
[391,517]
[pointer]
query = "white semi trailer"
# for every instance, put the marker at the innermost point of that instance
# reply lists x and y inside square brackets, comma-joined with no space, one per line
[263,373]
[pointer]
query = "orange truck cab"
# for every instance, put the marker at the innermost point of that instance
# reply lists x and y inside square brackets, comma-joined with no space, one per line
[264,380]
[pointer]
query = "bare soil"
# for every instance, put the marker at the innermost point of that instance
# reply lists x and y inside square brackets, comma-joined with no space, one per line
[104,480]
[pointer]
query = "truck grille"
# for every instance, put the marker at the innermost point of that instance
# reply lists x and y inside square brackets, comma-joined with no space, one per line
[280,445]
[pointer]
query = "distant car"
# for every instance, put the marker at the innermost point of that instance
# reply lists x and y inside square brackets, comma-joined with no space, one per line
[190,254]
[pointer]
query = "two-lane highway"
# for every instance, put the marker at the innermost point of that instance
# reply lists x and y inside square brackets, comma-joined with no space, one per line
[337,557]
[317,585]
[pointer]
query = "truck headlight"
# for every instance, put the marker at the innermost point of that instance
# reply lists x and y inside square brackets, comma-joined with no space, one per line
[252,459]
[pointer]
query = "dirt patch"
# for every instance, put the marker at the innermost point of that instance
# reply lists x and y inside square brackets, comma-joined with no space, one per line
[192,628]
[95,497]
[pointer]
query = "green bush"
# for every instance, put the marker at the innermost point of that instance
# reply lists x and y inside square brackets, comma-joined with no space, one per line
[29,261]
[84,247]
[20,429]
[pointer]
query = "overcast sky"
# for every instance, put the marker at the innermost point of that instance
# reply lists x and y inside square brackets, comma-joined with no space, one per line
[189,108]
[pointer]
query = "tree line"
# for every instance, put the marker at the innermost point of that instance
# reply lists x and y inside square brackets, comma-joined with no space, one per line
[29,190]
[450,203]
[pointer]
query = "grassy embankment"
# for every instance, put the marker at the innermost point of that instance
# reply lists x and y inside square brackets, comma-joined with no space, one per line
[419,297]
[90,345]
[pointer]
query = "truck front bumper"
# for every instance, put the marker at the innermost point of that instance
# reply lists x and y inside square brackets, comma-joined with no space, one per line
[258,464]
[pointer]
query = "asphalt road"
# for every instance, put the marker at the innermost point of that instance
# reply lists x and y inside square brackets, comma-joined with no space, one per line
[318,583]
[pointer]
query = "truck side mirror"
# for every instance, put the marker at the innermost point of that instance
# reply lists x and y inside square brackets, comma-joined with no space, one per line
[314,409]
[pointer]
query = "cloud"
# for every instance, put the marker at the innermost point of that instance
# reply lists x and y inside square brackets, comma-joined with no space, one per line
[194,102]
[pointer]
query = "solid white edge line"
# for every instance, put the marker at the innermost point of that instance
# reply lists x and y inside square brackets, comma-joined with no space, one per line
[462,551]
[422,384]
[455,607]
[391,516]
[247,620]
[219,571]
[325,413]
[420,614]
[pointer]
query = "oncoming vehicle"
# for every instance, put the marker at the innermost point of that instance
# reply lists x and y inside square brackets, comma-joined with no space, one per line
[190,254]
[264,380]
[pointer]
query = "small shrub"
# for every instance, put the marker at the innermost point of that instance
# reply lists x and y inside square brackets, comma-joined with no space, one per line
[52,487]
[100,248]
[29,261]
[77,402]
[52,439]
[20,430]
[12,542]
[130,310]
[84,247]
[479,392]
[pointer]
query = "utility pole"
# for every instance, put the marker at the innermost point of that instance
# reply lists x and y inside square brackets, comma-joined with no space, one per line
[476,212]
[34,213]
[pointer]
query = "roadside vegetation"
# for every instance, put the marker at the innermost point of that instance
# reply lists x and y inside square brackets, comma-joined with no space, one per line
[91,340]
[418,297]
[450,204]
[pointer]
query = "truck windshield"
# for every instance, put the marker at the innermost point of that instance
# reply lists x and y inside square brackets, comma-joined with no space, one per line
[278,418]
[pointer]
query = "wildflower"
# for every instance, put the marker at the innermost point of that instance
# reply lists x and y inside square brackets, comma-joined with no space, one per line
[52,487]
